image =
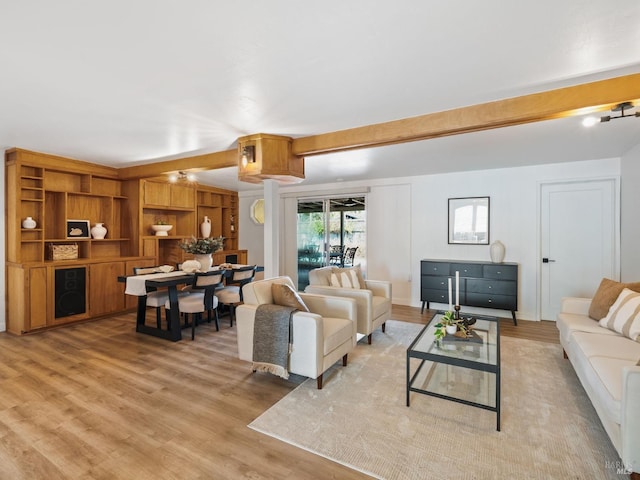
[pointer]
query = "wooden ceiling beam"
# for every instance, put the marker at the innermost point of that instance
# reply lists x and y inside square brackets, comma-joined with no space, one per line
[208,161]
[562,102]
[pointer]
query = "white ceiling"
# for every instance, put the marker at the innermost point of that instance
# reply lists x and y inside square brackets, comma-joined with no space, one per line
[123,83]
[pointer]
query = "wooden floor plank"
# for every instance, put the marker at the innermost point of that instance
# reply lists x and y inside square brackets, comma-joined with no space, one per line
[99,401]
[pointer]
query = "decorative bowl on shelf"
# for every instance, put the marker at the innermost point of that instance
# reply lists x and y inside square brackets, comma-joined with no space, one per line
[161,230]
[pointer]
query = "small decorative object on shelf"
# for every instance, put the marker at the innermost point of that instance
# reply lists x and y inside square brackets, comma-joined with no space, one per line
[29,223]
[497,251]
[205,227]
[161,229]
[99,231]
[63,252]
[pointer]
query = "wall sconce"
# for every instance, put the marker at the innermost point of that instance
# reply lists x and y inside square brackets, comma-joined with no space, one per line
[248,155]
[183,176]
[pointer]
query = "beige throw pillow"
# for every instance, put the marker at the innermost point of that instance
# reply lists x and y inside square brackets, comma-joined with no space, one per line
[606,295]
[624,315]
[347,277]
[286,296]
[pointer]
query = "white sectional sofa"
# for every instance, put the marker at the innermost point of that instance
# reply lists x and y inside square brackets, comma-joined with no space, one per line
[606,363]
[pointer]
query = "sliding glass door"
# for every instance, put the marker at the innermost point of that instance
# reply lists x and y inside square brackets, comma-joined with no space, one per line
[331,231]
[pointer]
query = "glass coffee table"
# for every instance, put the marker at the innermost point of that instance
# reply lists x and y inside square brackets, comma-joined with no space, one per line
[463,371]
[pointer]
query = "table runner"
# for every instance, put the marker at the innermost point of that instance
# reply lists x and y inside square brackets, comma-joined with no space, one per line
[136,283]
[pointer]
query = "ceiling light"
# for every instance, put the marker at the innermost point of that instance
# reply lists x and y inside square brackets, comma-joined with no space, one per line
[183,176]
[621,107]
[590,121]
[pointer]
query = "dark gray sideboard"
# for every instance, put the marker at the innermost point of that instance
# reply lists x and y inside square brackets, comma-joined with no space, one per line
[482,284]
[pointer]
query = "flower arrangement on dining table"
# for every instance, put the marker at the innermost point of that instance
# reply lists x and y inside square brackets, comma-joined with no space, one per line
[202,246]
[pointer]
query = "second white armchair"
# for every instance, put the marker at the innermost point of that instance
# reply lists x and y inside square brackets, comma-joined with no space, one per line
[373,297]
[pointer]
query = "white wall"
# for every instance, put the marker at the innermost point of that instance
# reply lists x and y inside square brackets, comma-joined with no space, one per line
[251,234]
[514,220]
[3,309]
[630,216]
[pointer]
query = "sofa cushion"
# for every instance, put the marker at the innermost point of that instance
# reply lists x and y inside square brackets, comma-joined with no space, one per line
[624,315]
[286,296]
[569,323]
[609,373]
[606,295]
[611,346]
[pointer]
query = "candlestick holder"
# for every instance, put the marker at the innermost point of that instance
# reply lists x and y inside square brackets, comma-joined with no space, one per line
[457,314]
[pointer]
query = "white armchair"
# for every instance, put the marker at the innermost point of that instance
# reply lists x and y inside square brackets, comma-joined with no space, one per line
[373,299]
[320,337]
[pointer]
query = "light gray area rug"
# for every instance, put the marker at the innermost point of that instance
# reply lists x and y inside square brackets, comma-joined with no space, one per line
[359,419]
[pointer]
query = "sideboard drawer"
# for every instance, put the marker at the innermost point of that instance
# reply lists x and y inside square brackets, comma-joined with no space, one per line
[501,272]
[496,287]
[466,269]
[500,302]
[437,283]
[434,268]
[430,295]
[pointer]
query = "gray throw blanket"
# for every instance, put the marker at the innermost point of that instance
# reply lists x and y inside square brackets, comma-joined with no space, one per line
[272,339]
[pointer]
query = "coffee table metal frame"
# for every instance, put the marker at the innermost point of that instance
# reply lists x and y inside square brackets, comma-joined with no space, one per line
[433,353]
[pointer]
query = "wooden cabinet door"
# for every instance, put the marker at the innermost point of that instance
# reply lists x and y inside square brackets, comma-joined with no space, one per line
[156,193]
[183,196]
[106,294]
[37,298]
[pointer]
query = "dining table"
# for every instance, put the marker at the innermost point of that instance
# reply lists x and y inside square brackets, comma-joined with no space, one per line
[140,285]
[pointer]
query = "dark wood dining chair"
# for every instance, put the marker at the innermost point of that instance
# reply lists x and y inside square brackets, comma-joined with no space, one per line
[156,298]
[349,255]
[200,299]
[231,294]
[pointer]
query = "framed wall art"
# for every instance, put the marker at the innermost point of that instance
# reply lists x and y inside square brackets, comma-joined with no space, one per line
[469,220]
[78,229]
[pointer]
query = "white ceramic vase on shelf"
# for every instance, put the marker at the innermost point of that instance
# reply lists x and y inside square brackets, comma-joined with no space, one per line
[205,260]
[451,329]
[99,231]
[205,227]
[497,251]
[28,223]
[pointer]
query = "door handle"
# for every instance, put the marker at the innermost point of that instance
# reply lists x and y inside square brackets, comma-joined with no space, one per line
[547,260]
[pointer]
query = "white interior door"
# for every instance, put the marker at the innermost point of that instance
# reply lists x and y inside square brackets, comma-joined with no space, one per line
[578,235]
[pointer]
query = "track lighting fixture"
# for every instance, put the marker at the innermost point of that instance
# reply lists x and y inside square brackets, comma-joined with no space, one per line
[621,107]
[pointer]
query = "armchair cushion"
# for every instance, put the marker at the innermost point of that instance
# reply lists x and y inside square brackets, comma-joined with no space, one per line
[347,277]
[286,296]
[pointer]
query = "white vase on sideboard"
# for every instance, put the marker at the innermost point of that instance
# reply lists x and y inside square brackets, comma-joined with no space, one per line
[497,251]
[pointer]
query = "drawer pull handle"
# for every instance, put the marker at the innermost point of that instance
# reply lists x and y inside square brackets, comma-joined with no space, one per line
[498,272]
[490,300]
[490,286]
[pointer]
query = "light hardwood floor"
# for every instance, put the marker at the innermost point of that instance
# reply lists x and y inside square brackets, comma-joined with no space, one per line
[98,401]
